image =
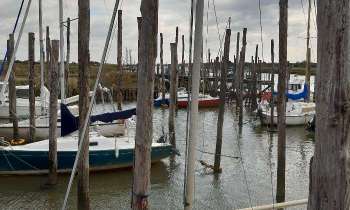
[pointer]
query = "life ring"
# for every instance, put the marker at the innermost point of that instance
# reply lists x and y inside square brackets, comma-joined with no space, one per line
[17,141]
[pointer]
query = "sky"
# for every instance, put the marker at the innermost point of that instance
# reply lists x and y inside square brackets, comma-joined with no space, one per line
[243,13]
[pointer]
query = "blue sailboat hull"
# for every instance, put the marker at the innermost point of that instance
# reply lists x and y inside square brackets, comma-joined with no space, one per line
[36,162]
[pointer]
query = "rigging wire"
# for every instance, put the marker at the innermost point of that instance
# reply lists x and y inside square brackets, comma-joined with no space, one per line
[218,30]
[261,33]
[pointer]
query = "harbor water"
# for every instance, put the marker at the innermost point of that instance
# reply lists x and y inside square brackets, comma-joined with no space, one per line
[248,175]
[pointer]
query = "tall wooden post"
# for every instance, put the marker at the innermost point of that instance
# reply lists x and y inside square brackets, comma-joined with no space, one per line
[272,82]
[84,59]
[173,93]
[281,101]
[237,61]
[66,73]
[240,77]
[183,56]
[329,179]
[53,83]
[145,84]
[12,88]
[162,68]
[177,36]
[48,51]
[119,60]
[254,104]
[31,57]
[222,101]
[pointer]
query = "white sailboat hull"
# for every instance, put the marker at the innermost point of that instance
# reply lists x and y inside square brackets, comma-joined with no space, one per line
[290,120]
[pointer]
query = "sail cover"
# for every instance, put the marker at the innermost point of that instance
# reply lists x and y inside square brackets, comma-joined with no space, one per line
[297,95]
[70,123]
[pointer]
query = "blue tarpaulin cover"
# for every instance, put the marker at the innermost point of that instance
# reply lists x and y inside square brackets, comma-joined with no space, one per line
[297,96]
[70,123]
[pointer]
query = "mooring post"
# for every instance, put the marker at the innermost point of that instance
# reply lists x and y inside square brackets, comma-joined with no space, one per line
[183,57]
[237,63]
[240,78]
[162,68]
[66,73]
[272,103]
[224,69]
[12,88]
[48,51]
[281,101]
[84,74]
[177,36]
[119,60]
[308,54]
[329,185]
[173,93]
[31,57]
[216,75]
[254,104]
[53,83]
[144,124]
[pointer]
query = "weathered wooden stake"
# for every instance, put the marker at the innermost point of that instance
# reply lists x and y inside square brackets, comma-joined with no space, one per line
[254,104]
[173,93]
[162,69]
[53,83]
[66,73]
[237,62]
[12,88]
[183,56]
[224,69]
[329,177]
[48,51]
[308,53]
[144,124]
[272,104]
[31,57]
[177,36]
[240,78]
[84,73]
[119,60]
[281,101]
[216,76]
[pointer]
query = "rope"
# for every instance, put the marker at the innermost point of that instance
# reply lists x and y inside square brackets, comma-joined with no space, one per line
[261,33]
[13,31]
[7,160]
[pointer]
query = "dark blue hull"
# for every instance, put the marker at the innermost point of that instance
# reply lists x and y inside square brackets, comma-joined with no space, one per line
[36,162]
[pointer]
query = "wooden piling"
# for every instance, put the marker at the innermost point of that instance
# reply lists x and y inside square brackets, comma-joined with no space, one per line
[48,51]
[329,177]
[239,86]
[66,73]
[162,68]
[53,83]
[119,60]
[254,102]
[177,36]
[224,70]
[173,93]
[272,103]
[144,124]
[183,57]
[12,89]
[281,101]
[31,75]
[237,61]
[84,74]
[308,54]
[216,75]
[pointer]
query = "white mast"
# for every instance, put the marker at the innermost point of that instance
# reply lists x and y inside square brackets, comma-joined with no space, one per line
[193,134]
[63,95]
[13,57]
[42,97]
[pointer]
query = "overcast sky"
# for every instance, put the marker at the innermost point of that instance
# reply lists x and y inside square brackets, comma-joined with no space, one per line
[244,13]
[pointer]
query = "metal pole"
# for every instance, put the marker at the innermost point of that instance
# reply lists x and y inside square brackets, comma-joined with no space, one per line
[193,131]
[13,57]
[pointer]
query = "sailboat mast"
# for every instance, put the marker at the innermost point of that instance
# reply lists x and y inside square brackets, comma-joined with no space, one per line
[193,131]
[63,97]
[308,53]
[13,57]
[41,57]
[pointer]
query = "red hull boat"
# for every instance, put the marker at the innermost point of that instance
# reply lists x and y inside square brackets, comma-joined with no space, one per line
[202,102]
